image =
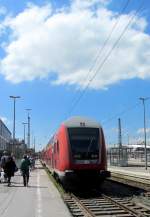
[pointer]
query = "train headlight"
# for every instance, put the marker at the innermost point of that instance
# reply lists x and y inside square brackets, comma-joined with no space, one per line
[94,156]
[77,156]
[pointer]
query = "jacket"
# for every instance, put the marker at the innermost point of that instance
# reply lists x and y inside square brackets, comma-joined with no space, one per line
[25,164]
[10,166]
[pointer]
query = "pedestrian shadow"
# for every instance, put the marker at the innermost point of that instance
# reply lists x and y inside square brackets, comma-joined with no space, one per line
[29,186]
[39,168]
[36,186]
[14,182]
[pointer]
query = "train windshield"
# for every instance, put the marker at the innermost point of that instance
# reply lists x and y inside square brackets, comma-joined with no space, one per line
[84,143]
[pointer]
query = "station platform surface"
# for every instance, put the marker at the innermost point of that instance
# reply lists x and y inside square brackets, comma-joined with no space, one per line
[39,199]
[135,170]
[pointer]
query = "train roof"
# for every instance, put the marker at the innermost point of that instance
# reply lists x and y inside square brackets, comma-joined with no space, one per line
[79,121]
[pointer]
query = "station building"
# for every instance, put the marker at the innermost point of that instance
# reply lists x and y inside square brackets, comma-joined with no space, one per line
[5,136]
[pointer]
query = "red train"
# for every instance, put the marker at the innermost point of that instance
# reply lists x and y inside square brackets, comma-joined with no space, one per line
[77,151]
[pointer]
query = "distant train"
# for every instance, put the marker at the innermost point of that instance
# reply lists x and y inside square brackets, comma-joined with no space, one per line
[77,151]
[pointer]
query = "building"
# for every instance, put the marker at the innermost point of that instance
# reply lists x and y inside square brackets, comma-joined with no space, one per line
[5,136]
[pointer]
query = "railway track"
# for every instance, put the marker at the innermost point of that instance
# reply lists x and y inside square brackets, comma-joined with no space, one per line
[132,180]
[104,206]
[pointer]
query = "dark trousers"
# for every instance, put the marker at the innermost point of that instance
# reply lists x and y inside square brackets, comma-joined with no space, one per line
[25,175]
[9,178]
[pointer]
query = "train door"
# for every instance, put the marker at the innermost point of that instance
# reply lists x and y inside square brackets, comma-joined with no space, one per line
[56,154]
[52,160]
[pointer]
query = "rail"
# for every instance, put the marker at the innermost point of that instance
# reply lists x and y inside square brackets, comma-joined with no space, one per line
[104,206]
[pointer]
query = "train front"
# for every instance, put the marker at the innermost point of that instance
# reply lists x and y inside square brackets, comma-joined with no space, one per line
[87,150]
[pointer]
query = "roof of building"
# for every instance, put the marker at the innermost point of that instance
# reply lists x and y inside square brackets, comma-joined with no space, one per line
[5,126]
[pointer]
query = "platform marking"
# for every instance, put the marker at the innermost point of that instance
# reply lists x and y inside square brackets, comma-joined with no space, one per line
[39,198]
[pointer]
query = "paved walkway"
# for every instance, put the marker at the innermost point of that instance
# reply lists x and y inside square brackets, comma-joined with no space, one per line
[40,199]
[134,170]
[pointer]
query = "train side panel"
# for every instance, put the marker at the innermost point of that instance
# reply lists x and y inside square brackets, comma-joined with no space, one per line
[61,154]
[103,164]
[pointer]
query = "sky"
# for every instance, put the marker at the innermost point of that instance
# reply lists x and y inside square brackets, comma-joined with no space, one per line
[75,58]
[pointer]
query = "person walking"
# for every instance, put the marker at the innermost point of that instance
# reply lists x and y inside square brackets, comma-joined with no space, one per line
[24,167]
[32,163]
[3,163]
[10,168]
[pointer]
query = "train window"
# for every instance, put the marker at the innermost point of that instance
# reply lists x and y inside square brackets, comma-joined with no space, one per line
[57,146]
[84,143]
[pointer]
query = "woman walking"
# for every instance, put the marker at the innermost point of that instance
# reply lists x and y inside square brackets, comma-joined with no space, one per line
[9,168]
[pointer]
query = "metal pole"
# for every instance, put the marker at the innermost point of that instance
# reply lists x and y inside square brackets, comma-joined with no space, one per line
[28,131]
[119,140]
[24,125]
[24,132]
[145,145]
[14,124]
[28,128]
[145,136]
[14,119]
[119,133]
[34,144]
[128,141]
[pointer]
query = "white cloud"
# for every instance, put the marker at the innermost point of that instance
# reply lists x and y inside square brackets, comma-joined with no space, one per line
[43,43]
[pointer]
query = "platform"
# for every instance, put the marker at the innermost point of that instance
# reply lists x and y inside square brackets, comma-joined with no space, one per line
[132,170]
[40,199]
[133,176]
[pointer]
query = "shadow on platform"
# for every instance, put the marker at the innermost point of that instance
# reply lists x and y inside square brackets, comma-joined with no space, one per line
[21,186]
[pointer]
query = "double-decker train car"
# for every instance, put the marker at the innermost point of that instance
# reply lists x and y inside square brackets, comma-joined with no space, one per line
[77,151]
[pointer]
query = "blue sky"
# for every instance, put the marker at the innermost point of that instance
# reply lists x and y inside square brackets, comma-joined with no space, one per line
[47,51]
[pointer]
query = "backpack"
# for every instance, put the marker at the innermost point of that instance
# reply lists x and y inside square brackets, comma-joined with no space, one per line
[25,164]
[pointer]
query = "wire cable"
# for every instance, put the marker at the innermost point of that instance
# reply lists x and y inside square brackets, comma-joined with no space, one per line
[120,113]
[106,57]
[100,50]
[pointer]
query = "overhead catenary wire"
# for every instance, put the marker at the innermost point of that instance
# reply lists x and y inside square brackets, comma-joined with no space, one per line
[120,113]
[106,57]
[132,125]
[101,49]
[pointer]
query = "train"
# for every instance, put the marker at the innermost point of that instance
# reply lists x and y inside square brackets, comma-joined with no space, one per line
[77,151]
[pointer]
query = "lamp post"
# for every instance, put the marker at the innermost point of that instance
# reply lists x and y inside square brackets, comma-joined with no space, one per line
[24,130]
[128,139]
[34,145]
[14,124]
[28,110]
[143,101]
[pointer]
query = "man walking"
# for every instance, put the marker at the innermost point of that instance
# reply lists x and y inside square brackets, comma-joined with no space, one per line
[25,164]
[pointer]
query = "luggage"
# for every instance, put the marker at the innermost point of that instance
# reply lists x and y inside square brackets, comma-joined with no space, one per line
[2,176]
